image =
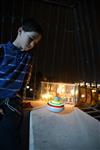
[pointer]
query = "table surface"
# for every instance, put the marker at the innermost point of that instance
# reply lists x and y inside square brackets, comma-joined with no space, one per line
[71,129]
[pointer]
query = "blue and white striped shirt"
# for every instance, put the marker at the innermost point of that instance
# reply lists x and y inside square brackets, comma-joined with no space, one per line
[14,66]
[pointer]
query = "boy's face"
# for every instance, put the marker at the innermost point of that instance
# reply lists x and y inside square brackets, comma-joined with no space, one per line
[28,40]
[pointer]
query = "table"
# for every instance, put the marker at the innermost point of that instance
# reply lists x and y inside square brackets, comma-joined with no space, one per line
[71,129]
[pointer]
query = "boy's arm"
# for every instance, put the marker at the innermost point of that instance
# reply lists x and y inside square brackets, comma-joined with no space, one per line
[1,50]
[1,111]
[26,82]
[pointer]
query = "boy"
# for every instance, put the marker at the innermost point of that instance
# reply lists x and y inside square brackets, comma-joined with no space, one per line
[15,64]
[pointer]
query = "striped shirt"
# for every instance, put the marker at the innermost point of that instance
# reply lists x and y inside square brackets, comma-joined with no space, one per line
[14,67]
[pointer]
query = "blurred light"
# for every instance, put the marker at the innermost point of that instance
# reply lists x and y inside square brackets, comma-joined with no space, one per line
[27,86]
[76,92]
[94,90]
[72,92]
[65,91]
[60,89]
[82,84]
[82,96]
[31,89]
[46,95]
[88,84]
[98,85]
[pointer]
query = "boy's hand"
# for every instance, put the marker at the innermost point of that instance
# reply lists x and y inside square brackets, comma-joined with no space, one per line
[1,111]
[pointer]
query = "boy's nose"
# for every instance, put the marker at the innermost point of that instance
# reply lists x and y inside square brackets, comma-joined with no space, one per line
[32,44]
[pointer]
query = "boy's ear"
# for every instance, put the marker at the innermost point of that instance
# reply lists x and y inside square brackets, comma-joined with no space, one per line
[20,30]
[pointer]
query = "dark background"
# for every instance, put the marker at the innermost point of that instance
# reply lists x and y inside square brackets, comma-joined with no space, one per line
[70,48]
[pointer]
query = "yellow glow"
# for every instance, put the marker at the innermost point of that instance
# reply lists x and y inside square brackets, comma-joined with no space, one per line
[61,89]
[72,92]
[82,84]
[94,90]
[82,96]
[46,96]
[65,91]
[88,84]
[76,92]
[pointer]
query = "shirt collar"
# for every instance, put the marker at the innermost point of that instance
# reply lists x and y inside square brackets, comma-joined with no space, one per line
[12,46]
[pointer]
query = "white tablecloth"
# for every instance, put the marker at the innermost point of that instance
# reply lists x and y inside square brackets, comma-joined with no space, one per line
[71,129]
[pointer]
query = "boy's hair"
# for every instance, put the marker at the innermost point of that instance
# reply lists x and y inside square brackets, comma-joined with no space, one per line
[30,24]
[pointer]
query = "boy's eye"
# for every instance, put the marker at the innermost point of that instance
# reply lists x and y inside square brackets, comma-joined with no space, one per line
[31,39]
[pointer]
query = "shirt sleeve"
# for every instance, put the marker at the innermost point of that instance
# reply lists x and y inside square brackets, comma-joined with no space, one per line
[26,81]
